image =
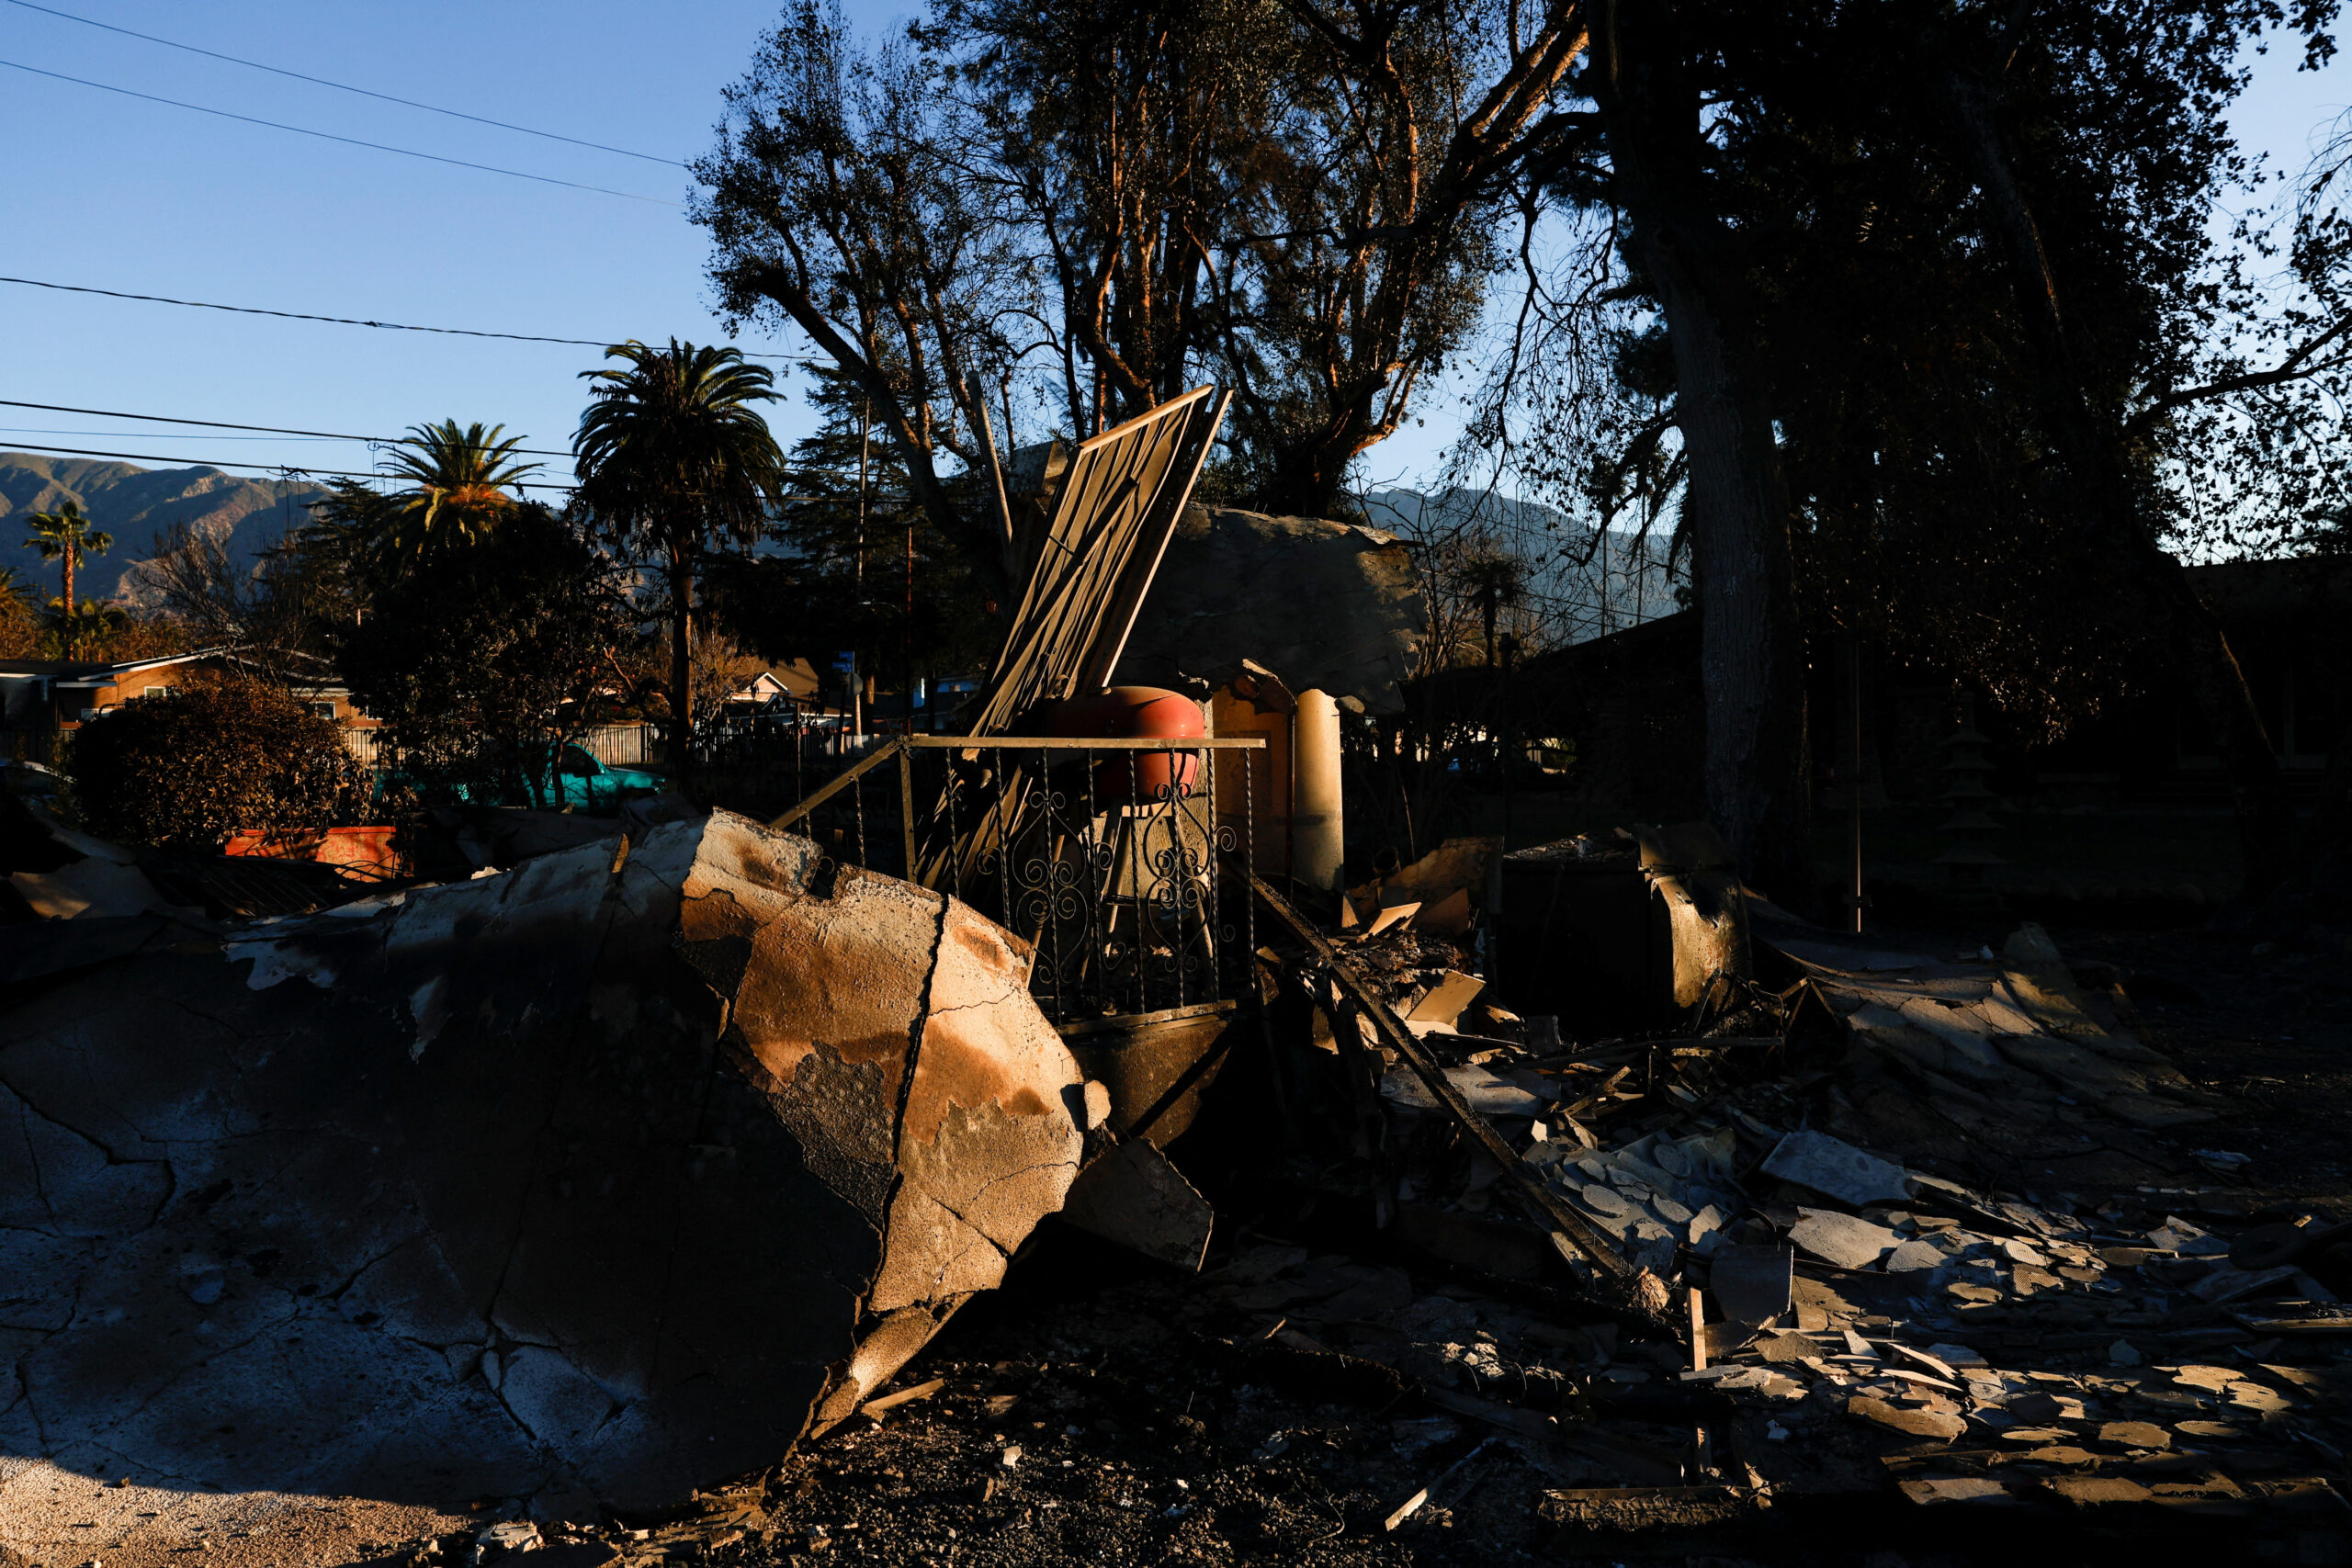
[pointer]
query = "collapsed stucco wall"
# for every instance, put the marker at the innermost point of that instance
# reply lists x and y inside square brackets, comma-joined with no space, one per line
[1326,606]
[619,1170]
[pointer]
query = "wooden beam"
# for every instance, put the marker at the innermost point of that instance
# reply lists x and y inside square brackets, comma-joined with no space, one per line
[1082,743]
[1572,1235]
[848,777]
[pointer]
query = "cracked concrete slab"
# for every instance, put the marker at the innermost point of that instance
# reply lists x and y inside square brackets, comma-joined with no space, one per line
[622,1169]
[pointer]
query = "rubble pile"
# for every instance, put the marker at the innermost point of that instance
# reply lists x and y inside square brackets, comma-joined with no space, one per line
[1865,1287]
[596,1185]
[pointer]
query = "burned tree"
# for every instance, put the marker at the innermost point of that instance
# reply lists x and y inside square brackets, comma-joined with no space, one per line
[1935,305]
[1091,210]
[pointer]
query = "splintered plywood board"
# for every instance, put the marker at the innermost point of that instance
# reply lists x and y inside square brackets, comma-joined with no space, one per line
[1445,1000]
[1118,503]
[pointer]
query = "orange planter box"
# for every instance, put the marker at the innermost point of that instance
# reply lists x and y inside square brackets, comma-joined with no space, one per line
[363,849]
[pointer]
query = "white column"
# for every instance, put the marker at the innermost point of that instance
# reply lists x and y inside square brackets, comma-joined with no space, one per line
[1317,820]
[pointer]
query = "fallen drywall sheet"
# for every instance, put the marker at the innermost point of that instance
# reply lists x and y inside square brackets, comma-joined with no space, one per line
[1990,1060]
[613,1174]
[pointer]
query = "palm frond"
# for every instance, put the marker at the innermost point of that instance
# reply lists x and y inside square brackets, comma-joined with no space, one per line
[672,448]
[456,492]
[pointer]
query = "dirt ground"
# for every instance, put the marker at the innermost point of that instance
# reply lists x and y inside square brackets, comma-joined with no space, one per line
[1099,1410]
[2269,1025]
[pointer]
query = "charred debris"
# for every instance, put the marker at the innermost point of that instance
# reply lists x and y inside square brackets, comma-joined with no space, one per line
[1895,1220]
[1587,1153]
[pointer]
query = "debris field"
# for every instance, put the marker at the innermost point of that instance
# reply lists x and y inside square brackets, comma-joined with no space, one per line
[1121,1185]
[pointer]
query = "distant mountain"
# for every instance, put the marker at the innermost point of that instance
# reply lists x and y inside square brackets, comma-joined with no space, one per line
[139,507]
[1407,510]
[1586,586]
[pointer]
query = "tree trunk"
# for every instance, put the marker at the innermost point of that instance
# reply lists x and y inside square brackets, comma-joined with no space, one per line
[73,627]
[1752,652]
[2328,835]
[2091,451]
[2326,838]
[682,717]
[1307,475]
[975,538]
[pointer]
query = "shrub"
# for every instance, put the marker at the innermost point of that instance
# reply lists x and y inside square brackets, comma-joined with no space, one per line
[481,663]
[216,755]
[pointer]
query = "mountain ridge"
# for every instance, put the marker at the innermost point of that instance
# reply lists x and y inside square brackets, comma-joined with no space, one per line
[1589,583]
[140,507]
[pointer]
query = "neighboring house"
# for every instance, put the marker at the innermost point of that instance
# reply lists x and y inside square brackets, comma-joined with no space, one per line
[41,698]
[314,680]
[1633,709]
[794,683]
[39,695]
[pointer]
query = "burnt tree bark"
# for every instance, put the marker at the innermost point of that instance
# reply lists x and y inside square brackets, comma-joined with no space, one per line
[1752,652]
[2089,444]
[681,683]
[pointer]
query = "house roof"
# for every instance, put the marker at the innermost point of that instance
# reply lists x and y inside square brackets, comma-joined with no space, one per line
[99,673]
[87,674]
[797,679]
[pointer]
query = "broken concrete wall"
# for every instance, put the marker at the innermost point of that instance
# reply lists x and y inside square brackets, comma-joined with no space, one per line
[619,1169]
[1326,606]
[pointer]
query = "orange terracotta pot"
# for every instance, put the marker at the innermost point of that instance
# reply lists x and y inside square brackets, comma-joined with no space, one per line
[1128,712]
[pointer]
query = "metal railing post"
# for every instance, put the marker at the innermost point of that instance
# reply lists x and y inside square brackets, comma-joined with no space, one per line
[1120,864]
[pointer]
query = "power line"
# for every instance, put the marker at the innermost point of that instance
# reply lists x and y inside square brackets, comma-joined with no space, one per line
[331,473]
[203,463]
[343,86]
[330,136]
[166,435]
[336,321]
[266,429]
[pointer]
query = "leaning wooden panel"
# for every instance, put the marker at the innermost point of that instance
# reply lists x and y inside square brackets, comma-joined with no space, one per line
[1117,488]
[1118,505]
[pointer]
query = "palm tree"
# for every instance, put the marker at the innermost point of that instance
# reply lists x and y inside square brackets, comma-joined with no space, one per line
[670,455]
[1493,580]
[455,494]
[75,624]
[66,534]
[455,488]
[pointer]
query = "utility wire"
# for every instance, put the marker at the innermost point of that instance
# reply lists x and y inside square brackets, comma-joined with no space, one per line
[266,429]
[335,321]
[330,136]
[341,87]
[337,473]
[200,463]
[165,434]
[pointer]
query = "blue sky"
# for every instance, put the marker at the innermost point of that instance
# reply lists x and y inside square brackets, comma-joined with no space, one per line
[112,192]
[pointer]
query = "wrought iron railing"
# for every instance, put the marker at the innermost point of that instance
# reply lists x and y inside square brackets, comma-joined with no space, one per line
[1124,864]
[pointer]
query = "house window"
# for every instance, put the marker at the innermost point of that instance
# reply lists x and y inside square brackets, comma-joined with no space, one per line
[323,710]
[154,689]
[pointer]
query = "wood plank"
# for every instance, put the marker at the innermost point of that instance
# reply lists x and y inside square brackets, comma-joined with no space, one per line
[1083,744]
[844,781]
[1572,1235]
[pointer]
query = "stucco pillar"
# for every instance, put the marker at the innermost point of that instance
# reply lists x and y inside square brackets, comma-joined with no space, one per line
[1317,825]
